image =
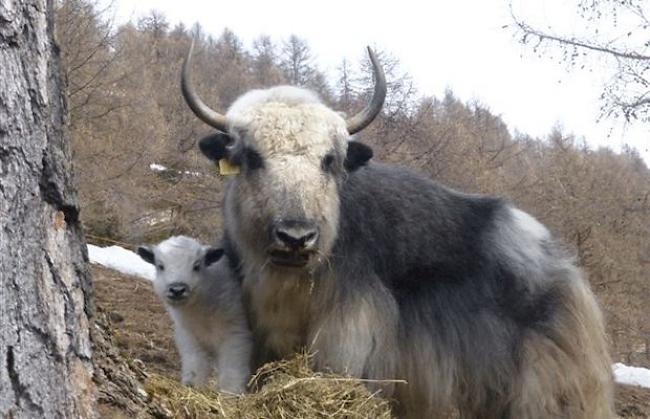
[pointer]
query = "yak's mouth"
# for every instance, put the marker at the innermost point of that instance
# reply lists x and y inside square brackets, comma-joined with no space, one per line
[292,259]
[177,300]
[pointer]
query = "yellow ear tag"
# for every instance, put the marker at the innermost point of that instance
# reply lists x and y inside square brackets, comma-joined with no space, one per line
[225,168]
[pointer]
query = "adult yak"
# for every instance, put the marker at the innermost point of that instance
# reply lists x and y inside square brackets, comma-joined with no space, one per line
[384,274]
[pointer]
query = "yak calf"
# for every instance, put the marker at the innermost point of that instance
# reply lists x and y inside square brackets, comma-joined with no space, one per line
[203,298]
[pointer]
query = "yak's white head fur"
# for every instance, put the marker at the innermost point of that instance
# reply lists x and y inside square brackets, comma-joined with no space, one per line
[294,154]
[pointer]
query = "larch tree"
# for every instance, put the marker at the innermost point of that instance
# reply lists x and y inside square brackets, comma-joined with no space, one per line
[46,367]
[297,61]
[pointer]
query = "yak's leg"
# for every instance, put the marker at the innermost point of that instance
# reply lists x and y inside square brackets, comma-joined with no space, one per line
[196,363]
[566,369]
[233,369]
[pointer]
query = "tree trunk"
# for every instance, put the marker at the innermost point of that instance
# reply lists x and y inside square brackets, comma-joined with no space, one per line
[45,293]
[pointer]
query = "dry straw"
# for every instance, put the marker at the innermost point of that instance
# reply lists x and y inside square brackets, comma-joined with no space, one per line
[287,389]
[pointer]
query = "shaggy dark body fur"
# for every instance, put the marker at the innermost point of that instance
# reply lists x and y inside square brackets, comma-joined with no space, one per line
[432,246]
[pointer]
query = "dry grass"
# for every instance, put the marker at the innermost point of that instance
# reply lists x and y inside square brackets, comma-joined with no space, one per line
[288,389]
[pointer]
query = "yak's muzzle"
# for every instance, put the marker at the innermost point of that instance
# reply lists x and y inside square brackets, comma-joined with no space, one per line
[177,292]
[294,242]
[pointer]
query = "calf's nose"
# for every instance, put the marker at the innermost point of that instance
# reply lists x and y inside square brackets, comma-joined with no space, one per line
[176,291]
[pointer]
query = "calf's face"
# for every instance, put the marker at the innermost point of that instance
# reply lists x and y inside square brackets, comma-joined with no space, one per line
[179,271]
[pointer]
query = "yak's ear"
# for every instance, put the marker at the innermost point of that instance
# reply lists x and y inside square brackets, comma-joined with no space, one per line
[212,255]
[146,253]
[214,146]
[358,155]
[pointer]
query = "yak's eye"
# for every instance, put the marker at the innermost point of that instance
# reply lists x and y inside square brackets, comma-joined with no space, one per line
[253,159]
[196,267]
[328,162]
[161,267]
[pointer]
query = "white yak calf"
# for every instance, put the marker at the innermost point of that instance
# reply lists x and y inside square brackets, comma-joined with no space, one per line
[203,298]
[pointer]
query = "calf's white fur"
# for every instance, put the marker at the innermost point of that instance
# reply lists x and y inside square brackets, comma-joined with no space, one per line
[203,298]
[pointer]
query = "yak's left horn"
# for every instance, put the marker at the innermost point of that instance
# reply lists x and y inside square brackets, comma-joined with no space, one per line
[200,109]
[366,116]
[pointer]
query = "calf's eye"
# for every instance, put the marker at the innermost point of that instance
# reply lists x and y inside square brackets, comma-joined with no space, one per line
[161,266]
[196,267]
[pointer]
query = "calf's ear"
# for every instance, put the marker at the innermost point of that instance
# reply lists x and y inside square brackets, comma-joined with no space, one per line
[146,253]
[214,146]
[212,255]
[357,156]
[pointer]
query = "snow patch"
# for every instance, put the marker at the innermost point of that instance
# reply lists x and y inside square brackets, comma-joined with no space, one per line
[160,168]
[122,260]
[157,167]
[633,376]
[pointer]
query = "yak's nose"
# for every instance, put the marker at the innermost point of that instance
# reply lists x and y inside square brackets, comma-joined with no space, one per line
[176,291]
[296,235]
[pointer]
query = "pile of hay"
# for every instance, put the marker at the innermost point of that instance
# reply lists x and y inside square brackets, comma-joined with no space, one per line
[288,389]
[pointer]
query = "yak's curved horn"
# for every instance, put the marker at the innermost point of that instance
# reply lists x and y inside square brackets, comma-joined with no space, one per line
[365,117]
[200,109]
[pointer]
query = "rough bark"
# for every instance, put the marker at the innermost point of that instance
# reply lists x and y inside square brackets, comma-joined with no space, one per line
[45,293]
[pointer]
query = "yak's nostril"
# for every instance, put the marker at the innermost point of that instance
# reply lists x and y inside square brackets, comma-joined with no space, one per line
[296,235]
[285,237]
